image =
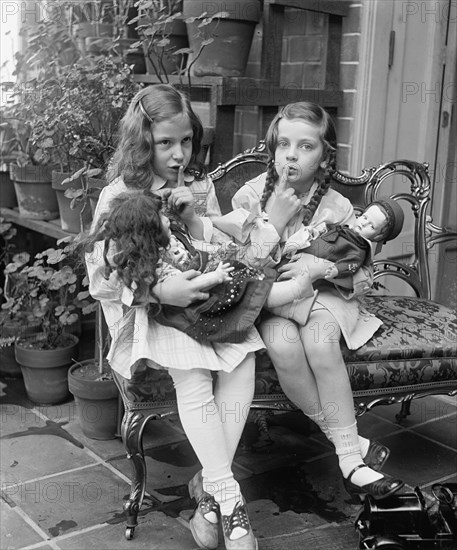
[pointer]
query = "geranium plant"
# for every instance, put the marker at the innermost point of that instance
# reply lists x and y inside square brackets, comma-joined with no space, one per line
[46,291]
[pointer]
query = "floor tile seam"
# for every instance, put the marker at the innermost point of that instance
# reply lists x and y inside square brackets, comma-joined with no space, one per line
[49,476]
[303,531]
[38,530]
[79,532]
[320,456]
[431,420]
[438,480]
[110,467]
[398,423]
[428,438]
[124,477]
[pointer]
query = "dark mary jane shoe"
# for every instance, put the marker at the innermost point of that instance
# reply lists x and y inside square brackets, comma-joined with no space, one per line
[379,489]
[376,456]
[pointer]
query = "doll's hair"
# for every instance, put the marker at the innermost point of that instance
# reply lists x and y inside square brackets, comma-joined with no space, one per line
[134,155]
[316,115]
[133,224]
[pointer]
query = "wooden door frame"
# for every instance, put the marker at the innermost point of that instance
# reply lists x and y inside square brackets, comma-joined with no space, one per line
[378,104]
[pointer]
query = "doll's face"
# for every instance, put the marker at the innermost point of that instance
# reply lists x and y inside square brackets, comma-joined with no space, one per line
[166,224]
[371,223]
[176,252]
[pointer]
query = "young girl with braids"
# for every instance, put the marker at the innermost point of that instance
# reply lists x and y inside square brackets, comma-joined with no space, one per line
[295,192]
[159,142]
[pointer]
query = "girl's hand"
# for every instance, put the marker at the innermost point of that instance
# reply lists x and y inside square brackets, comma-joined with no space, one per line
[285,206]
[182,200]
[181,290]
[316,267]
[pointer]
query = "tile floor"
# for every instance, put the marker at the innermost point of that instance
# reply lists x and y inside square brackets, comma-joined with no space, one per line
[61,490]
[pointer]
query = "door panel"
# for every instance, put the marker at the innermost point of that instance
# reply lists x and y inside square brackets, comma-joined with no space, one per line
[407,80]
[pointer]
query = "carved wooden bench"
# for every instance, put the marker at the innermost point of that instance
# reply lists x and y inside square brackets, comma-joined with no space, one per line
[413,354]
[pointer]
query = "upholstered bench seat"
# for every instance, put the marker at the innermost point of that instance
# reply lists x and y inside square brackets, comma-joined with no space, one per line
[413,353]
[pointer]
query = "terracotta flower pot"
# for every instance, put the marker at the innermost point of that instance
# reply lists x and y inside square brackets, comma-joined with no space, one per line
[35,196]
[45,370]
[176,32]
[8,364]
[7,192]
[232,36]
[70,218]
[96,399]
[95,185]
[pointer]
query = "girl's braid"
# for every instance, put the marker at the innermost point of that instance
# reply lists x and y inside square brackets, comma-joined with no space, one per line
[325,180]
[270,182]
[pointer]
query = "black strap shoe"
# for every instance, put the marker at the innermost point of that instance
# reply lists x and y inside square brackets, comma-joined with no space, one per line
[379,489]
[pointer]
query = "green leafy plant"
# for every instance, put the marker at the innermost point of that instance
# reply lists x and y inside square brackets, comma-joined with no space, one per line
[47,291]
[17,122]
[154,24]
[121,9]
[90,100]
[82,195]
[49,52]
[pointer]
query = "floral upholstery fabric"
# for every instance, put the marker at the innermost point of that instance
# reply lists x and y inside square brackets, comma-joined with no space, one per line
[415,347]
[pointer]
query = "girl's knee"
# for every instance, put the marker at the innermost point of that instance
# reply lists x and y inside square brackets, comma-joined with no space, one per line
[279,334]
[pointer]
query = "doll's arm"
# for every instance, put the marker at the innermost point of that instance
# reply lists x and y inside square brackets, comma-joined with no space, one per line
[213,278]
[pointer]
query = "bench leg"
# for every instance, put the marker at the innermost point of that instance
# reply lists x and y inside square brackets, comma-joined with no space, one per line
[131,430]
[405,409]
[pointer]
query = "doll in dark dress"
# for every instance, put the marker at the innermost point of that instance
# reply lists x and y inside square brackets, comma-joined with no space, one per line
[347,247]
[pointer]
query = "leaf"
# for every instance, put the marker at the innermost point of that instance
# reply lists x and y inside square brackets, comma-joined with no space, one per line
[164,42]
[47,142]
[73,193]
[74,176]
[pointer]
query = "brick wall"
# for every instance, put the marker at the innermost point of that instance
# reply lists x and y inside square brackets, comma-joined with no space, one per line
[303,49]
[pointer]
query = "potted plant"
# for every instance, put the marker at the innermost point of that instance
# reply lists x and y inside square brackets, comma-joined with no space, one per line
[30,171]
[50,49]
[79,128]
[96,394]
[228,27]
[92,24]
[163,36]
[7,192]
[46,291]
[125,44]
[10,328]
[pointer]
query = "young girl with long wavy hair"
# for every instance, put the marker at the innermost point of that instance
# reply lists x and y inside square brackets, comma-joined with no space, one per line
[158,147]
[295,191]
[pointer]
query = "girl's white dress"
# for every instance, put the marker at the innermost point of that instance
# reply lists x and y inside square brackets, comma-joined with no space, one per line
[248,223]
[133,335]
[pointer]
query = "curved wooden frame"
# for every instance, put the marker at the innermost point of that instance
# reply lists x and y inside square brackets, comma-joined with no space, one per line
[426,235]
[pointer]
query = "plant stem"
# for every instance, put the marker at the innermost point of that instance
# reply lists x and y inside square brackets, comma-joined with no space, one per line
[99,338]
